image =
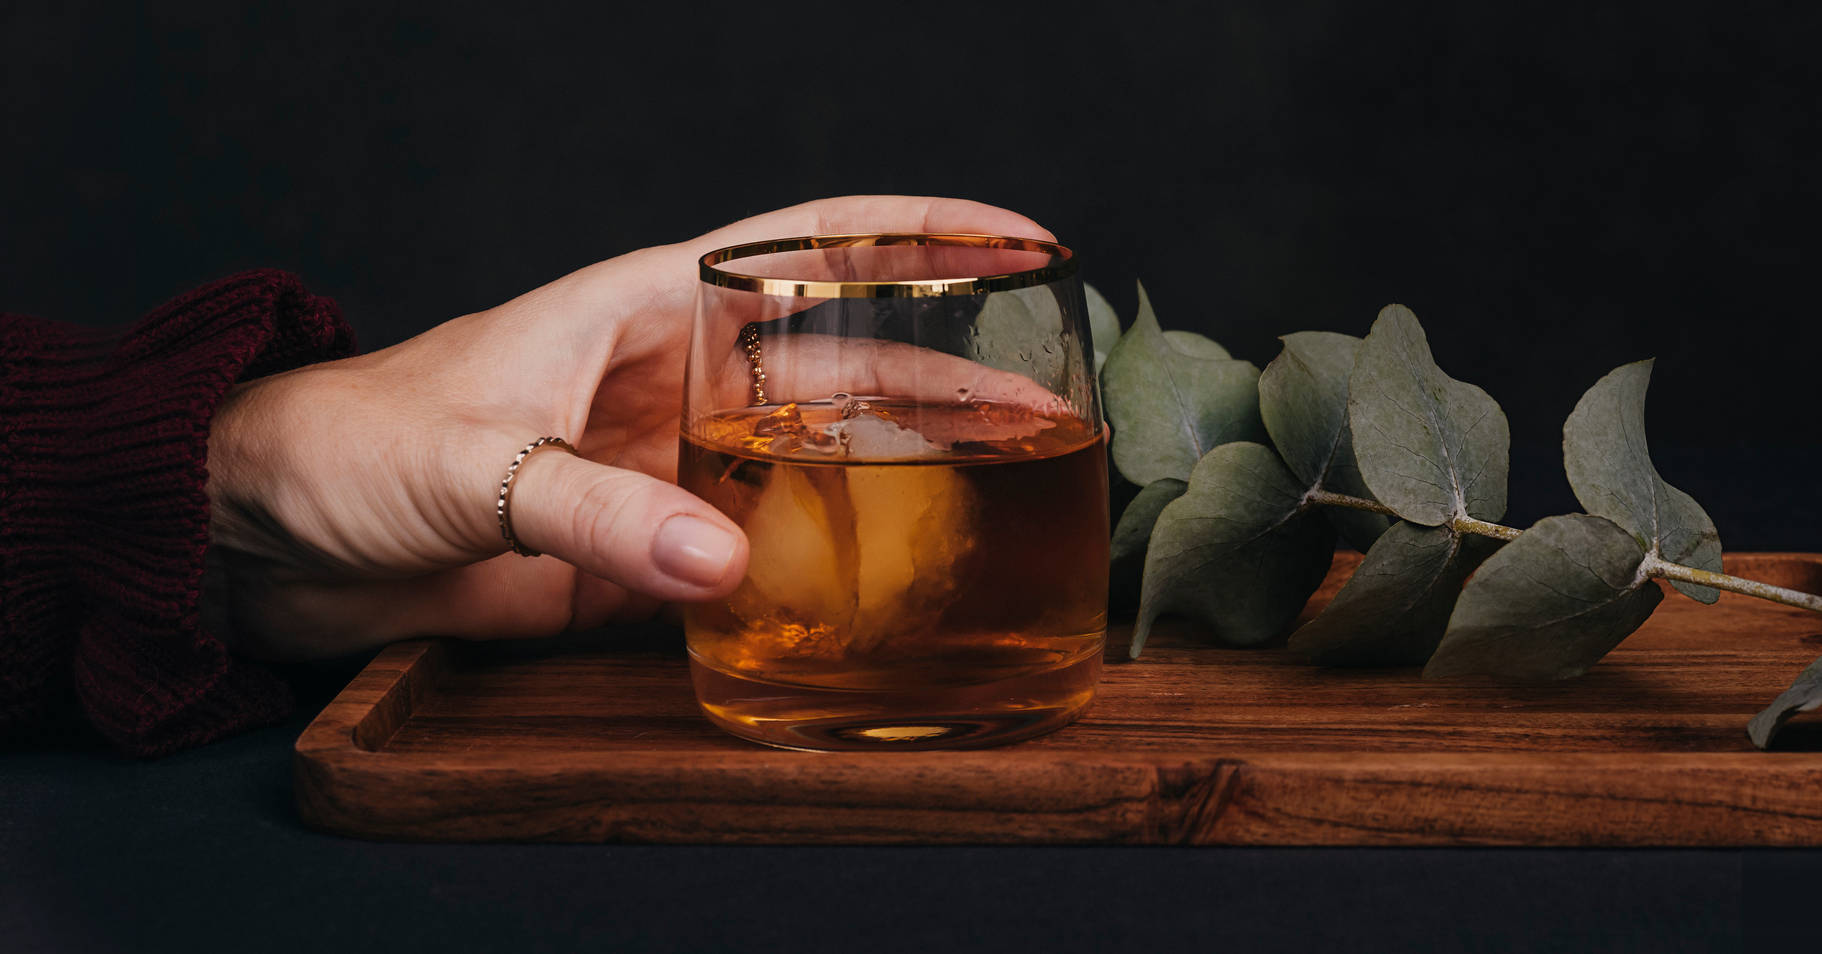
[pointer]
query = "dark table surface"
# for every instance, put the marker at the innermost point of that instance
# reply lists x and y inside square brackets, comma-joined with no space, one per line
[203,851]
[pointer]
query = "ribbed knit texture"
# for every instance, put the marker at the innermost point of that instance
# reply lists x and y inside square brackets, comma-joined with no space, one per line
[104,520]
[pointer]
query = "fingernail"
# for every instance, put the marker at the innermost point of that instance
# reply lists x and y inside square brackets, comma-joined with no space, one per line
[693,550]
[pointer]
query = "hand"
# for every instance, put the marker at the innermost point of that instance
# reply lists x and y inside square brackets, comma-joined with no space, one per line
[353,502]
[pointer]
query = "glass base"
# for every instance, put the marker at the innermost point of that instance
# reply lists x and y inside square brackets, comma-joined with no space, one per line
[955,717]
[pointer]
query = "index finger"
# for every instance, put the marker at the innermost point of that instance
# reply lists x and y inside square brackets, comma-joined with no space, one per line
[869,213]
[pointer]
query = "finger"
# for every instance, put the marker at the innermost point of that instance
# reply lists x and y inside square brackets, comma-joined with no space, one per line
[810,367]
[659,284]
[651,537]
[599,602]
[673,270]
[881,263]
[887,262]
[502,598]
[870,213]
[664,278]
[877,260]
[506,597]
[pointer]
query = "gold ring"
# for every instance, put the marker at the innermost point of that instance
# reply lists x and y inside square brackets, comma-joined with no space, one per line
[504,504]
[749,342]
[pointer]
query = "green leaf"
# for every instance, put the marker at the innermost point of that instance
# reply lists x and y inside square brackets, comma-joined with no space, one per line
[1238,551]
[1303,399]
[1132,535]
[1611,471]
[1011,330]
[1394,609]
[1803,695]
[1195,345]
[1173,398]
[1432,448]
[1103,325]
[1549,604]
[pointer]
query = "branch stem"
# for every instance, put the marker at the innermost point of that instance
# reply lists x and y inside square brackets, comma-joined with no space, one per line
[1656,566]
[1653,564]
[1498,531]
[1330,499]
[1461,524]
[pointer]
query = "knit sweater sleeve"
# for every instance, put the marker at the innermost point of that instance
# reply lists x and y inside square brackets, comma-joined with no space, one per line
[104,518]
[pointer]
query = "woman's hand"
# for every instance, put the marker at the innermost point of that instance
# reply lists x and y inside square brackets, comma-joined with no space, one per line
[353,503]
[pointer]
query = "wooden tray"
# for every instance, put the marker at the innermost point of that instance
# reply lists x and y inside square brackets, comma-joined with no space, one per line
[1189,745]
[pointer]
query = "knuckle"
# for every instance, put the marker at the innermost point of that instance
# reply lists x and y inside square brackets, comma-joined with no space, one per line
[612,511]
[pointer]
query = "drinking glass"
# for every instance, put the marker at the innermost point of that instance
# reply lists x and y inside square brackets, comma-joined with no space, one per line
[906,426]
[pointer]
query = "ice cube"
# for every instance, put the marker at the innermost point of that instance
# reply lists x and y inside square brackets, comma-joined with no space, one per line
[868,435]
[984,423]
[780,432]
[787,420]
[783,432]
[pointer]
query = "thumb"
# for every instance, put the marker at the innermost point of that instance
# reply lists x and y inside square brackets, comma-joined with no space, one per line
[647,535]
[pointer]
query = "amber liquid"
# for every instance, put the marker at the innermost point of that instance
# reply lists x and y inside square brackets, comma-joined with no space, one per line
[941,586]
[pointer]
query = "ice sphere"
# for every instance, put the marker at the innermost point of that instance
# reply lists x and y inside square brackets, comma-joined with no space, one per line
[861,553]
[802,565]
[911,530]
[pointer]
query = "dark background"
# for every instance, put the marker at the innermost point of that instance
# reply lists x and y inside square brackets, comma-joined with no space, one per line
[1555,191]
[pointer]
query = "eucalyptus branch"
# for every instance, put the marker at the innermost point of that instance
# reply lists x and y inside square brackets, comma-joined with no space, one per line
[1497,531]
[1226,529]
[1658,567]
[1653,565]
[1461,524]
[1330,499]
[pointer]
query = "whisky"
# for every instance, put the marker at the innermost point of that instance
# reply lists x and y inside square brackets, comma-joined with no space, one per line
[921,575]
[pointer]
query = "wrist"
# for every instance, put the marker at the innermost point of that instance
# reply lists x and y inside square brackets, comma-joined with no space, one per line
[236,516]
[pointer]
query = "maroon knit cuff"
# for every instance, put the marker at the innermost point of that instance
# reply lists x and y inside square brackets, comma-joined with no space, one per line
[104,519]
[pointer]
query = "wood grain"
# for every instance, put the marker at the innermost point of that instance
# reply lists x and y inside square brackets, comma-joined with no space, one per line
[1190,745]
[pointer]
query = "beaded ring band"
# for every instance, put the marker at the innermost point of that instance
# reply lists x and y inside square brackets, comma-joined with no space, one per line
[749,342]
[504,504]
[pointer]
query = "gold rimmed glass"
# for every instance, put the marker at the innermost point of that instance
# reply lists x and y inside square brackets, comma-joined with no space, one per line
[906,426]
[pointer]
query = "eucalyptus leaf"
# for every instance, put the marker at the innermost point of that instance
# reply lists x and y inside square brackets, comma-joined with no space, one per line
[1611,471]
[1172,399]
[1132,535]
[1103,325]
[1549,604]
[1303,400]
[1430,447]
[1803,695]
[1360,528]
[1238,551]
[1012,328]
[1195,345]
[1395,607]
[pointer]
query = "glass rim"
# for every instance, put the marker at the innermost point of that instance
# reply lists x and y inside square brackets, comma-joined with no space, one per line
[1062,265]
